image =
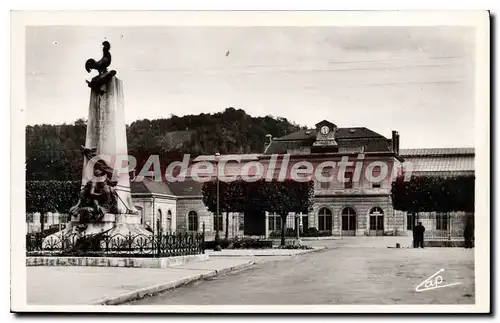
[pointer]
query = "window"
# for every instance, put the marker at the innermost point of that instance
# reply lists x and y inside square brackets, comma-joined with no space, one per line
[325,184]
[348,219]
[376,219]
[348,180]
[441,221]
[218,222]
[325,219]
[45,218]
[159,221]
[375,174]
[274,223]
[192,221]
[241,222]
[169,221]
[410,221]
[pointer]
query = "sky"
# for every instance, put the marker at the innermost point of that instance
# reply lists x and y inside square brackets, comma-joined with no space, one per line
[416,80]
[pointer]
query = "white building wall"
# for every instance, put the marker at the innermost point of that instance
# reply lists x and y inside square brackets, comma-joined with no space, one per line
[150,208]
[34,224]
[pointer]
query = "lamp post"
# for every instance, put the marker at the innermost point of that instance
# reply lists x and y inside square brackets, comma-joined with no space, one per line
[297,226]
[217,238]
[234,226]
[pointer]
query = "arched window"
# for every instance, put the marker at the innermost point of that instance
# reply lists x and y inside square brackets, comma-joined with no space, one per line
[376,219]
[348,220]
[159,221]
[169,221]
[192,221]
[324,219]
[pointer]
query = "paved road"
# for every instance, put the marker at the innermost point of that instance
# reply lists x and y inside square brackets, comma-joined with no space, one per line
[356,275]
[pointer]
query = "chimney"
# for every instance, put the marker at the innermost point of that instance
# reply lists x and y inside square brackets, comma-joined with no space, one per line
[395,142]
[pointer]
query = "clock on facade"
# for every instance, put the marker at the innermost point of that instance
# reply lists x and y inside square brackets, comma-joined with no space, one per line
[325,130]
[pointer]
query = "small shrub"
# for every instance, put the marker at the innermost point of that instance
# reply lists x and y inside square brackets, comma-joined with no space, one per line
[275,234]
[236,243]
[309,232]
[290,246]
[249,243]
[223,243]
[289,233]
[313,232]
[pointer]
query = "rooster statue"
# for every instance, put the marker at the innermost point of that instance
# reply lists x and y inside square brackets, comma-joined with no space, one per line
[102,65]
[98,82]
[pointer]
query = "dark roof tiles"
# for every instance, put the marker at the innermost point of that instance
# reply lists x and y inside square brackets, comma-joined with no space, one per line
[185,188]
[150,186]
[435,151]
[342,133]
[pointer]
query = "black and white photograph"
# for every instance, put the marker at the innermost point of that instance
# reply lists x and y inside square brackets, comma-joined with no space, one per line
[233,162]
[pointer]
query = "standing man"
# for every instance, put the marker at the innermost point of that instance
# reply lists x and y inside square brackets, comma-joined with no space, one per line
[418,235]
[468,234]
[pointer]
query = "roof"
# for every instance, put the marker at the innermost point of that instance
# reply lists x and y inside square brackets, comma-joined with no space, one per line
[325,122]
[186,188]
[148,186]
[372,141]
[356,132]
[341,133]
[281,146]
[435,152]
[440,161]
[240,157]
[343,136]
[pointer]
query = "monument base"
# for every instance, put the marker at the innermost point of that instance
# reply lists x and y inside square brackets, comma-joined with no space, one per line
[115,226]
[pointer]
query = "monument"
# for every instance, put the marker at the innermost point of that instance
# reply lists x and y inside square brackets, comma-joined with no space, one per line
[105,203]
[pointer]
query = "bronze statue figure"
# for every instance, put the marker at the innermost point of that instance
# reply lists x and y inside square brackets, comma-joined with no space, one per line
[98,82]
[96,197]
[101,166]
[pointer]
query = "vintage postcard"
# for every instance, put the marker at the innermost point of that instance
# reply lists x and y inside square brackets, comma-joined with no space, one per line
[250,162]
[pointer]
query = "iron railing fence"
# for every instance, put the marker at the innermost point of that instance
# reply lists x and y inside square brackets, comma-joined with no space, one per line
[441,226]
[116,245]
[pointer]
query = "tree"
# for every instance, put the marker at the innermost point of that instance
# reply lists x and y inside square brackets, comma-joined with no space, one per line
[280,197]
[231,198]
[433,194]
[50,196]
[81,122]
[283,197]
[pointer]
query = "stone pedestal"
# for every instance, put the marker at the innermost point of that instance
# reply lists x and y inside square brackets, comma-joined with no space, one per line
[105,225]
[106,132]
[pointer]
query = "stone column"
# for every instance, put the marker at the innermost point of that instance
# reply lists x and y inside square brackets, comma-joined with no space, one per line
[107,133]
